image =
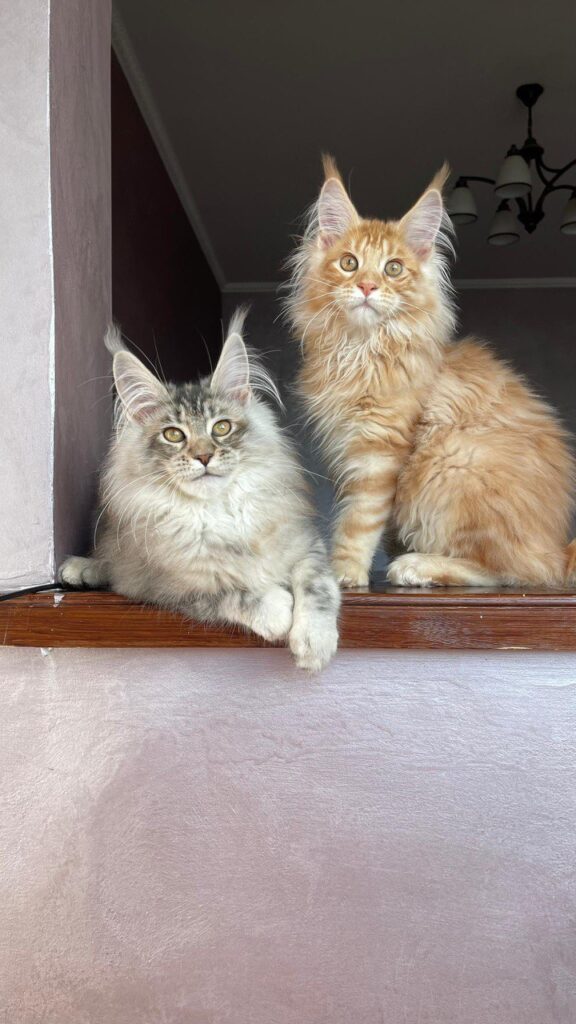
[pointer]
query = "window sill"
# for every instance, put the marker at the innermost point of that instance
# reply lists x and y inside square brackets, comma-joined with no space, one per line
[383,617]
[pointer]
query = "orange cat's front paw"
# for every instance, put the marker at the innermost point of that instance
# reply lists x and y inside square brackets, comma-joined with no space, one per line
[350,574]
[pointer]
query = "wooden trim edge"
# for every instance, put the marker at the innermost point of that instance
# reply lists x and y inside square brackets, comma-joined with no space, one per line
[427,620]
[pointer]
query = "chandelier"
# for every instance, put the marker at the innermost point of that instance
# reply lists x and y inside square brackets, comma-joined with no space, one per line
[515,185]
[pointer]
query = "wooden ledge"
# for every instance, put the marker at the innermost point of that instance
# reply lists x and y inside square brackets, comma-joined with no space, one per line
[382,617]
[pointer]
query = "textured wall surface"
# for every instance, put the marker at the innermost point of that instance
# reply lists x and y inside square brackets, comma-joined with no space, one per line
[80,134]
[26,299]
[208,838]
[536,330]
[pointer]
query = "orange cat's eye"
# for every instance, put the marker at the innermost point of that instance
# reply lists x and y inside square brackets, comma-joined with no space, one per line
[394,268]
[349,262]
[173,434]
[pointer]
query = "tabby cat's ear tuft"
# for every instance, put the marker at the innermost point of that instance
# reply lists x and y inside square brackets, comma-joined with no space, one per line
[336,211]
[140,392]
[423,222]
[232,374]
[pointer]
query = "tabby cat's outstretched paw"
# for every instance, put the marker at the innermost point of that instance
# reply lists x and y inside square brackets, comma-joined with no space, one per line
[81,572]
[313,643]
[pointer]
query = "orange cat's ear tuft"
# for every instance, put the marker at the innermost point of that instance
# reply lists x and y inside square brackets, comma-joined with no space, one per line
[440,178]
[330,168]
[422,223]
[336,211]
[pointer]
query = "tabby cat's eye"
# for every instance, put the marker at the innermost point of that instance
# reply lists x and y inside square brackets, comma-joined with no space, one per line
[173,434]
[221,428]
[349,262]
[394,268]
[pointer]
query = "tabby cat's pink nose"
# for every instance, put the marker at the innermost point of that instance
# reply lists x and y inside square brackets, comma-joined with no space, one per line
[204,459]
[366,287]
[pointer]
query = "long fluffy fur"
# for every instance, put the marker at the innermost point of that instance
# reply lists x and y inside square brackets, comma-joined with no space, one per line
[440,442]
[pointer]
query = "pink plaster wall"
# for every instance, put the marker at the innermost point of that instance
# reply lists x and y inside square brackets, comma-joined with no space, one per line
[81,207]
[26,298]
[208,838]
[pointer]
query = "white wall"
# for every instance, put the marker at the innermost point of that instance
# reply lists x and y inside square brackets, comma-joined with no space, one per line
[26,298]
[208,837]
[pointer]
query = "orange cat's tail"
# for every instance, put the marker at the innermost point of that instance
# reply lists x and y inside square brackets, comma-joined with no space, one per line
[571,562]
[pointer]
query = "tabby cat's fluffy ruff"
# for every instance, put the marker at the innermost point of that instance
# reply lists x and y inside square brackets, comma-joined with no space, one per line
[204,508]
[442,442]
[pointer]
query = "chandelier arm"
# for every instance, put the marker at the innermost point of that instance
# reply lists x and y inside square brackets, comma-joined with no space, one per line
[540,168]
[558,188]
[551,170]
[522,205]
[539,205]
[555,171]
[547,191]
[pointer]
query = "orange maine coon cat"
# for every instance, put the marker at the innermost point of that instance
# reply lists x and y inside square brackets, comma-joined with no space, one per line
[439,441]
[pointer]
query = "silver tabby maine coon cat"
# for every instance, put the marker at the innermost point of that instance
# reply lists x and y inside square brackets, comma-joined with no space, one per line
[204,507]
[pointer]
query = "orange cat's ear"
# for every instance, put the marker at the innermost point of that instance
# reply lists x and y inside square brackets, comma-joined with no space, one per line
[336,212]
[423,222]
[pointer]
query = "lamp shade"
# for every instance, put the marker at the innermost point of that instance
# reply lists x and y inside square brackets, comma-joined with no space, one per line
[568,226]
[461,205]
[514,179]
[504,227]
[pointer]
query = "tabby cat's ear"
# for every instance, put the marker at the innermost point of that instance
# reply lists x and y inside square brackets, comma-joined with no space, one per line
[423,222]
[140,392]
[232,374]
[336,211]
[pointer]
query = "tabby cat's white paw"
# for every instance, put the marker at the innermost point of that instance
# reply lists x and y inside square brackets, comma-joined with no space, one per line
[80,572]
[313,643]
[274,616]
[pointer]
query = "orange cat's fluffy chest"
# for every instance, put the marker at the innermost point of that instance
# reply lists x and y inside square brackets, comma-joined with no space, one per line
[371,394]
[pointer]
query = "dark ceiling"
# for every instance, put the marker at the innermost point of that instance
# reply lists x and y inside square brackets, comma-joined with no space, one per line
[248,94]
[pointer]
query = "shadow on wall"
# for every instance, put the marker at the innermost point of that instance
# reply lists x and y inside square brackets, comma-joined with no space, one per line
[165,296]
[534,329]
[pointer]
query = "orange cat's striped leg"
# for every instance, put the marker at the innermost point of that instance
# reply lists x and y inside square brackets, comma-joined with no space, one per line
[364,512]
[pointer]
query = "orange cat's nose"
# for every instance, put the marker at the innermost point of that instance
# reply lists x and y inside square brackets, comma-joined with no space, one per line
[366,287]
